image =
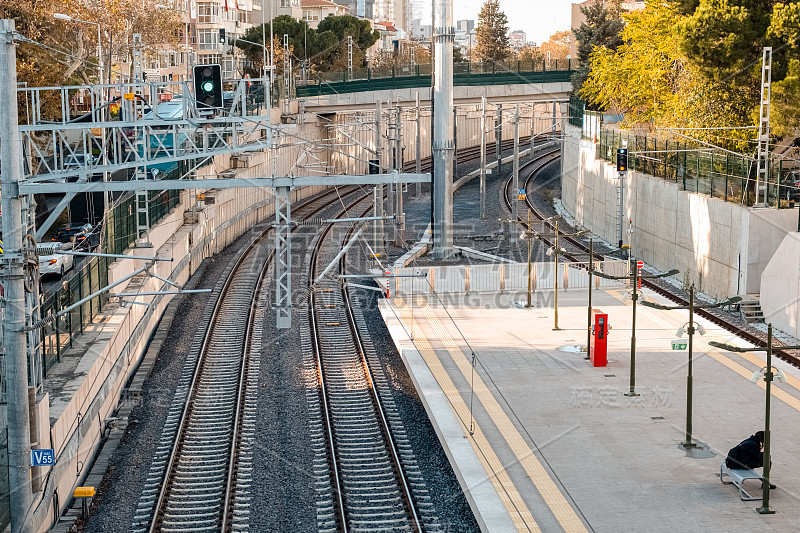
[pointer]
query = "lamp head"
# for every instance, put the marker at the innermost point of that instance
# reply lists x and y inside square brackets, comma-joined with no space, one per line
[780,376]
[549,252]
[756,376]
[700,329]
[61,16]
[680,332]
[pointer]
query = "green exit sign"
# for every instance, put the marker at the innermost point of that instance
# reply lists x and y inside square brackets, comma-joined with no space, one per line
[680,344]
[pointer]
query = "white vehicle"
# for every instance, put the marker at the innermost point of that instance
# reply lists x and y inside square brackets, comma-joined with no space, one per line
[51,262]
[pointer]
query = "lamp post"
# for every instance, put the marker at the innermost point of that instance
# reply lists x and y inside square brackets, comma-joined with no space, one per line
[634,276]
[62,16]
[690,328]
[768,376]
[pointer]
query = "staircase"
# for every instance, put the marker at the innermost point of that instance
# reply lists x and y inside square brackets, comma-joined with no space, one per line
[750,309]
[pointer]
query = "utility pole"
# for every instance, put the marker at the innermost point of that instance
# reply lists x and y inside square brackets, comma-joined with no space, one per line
[349,57]
[419,144]
[443,142]
[483,158]
[400,219]
[287,74]
[498,135]
[378,191]
[12,276]
[762,173]
[533,128]
[516,160]
[589,310]
[455,143]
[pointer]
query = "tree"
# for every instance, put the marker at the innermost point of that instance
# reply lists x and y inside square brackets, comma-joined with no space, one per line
[785,112]
[651,83]
[602,29]
[557,45]
[343,25]
[492,33]
[69,54]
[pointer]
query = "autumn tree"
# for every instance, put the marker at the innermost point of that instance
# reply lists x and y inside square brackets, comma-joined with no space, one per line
[557,44]
[67,53]
[492,33]
[601,29]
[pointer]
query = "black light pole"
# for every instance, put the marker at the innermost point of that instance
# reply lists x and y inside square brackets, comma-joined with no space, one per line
[634,276]
[690,329]
[768,378]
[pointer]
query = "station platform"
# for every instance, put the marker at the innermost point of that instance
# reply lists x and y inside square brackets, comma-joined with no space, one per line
[543,441]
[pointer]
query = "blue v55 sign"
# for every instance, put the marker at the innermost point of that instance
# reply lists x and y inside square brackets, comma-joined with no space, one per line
[42,457]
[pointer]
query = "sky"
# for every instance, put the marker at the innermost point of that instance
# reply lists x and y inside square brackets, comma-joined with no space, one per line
[539,19]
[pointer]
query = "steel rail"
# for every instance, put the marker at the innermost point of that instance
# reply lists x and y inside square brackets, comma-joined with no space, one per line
[387,432]
[193,389]
[710,315]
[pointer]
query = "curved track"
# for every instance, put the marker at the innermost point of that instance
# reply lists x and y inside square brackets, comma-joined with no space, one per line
[717,317]
[372,474]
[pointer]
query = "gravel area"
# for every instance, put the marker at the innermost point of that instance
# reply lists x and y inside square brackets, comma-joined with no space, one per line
[114,506]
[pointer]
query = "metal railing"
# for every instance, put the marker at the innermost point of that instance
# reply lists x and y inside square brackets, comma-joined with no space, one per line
[500,278]
[118,233]
[489,73]
[701,169]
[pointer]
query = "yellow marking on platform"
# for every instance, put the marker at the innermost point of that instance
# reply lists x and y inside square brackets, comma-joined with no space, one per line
[512,501]
[719,356]
[552,496]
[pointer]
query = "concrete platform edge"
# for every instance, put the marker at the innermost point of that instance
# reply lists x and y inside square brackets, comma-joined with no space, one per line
[480,493]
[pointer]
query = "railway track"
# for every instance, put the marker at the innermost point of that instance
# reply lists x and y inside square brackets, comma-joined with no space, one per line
[471,153]
[375,482]
[204,452]
[717,317]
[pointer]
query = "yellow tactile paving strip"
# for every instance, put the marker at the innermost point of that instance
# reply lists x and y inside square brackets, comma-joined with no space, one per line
[550,493]
[716,354]
[512,501]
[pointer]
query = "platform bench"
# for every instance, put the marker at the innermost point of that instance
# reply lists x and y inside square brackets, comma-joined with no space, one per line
[738,476]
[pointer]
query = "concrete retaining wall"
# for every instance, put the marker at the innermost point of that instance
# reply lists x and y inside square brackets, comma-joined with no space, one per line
[721,246]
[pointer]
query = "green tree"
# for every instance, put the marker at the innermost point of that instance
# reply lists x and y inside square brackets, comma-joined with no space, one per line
[492,33]
[649,80]
[785,112]
[602,29]
[343,25]
[723,38]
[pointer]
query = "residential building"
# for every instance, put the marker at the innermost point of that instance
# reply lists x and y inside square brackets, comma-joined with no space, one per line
[517,39]
[316,10]
[466,25]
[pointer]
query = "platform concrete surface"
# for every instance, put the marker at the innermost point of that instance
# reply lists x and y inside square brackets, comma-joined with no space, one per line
[560,445]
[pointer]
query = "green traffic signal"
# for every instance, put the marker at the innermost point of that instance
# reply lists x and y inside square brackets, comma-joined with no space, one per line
[208,86]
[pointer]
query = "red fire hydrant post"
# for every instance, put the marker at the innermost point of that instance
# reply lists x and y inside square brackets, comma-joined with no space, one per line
[598,353]
[639,265]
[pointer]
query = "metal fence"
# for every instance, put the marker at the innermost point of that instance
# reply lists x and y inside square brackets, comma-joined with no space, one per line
[511,277]
[697,168]
[383,78]
[118,233]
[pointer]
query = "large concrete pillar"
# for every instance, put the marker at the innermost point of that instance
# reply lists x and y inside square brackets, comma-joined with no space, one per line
[443,140]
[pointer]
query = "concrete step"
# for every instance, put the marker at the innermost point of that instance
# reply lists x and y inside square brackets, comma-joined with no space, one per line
[750,309]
